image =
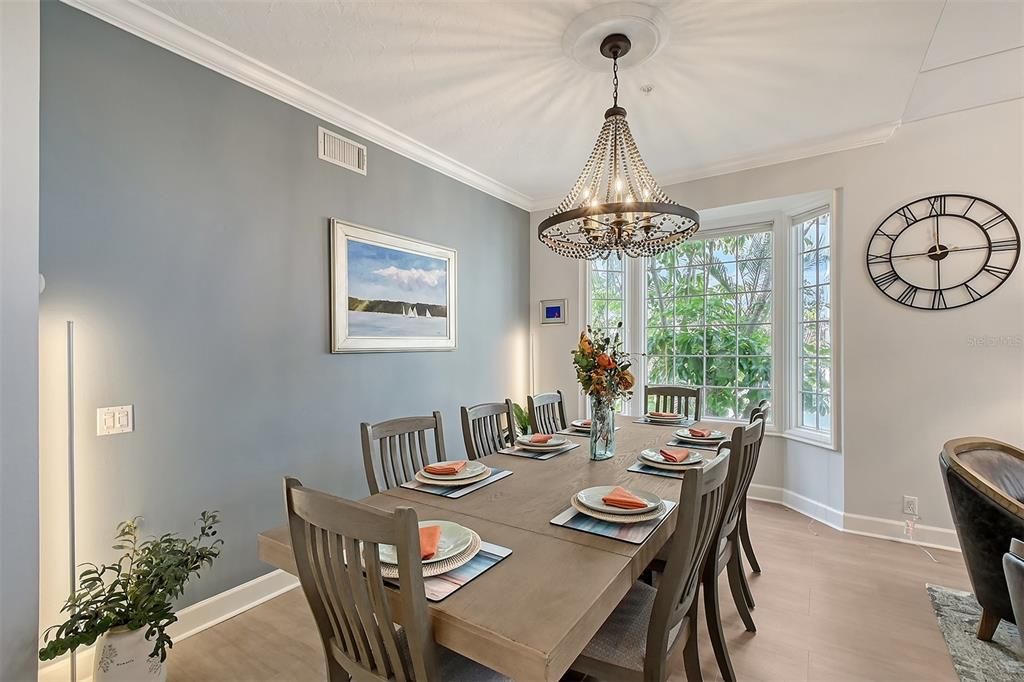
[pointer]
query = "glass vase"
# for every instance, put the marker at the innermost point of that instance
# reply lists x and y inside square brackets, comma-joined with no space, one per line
[602,429]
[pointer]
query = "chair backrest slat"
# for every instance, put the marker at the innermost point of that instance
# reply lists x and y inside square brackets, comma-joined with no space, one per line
[394,450]
[547,412]
[698,517]
[744,445]
[335,543]
[483,431]
[686,400]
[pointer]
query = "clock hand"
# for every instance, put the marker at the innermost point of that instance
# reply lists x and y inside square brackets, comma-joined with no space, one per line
[951,248]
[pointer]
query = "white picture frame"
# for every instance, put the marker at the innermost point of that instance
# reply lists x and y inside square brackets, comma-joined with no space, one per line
[405,309]
[553,311]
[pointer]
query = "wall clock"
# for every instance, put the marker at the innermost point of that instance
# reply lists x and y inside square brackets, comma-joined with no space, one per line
[943,251]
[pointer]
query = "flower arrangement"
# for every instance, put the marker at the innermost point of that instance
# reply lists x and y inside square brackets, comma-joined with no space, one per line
[602,368]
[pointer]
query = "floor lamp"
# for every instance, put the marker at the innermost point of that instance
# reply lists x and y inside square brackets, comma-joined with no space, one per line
[71,476]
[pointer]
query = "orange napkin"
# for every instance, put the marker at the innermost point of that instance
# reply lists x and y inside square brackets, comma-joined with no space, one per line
[429,537]
[446,468]
[700,433]
[676,455]
[540,438]
[586,422]
[622,498]
[665,415]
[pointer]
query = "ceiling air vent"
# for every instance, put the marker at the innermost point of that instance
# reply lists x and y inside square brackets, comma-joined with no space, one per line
[341,151]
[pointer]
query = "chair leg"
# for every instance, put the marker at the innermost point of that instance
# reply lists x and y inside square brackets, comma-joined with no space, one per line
[748,596]
[748,548]
[736,585]
[691,657]
[987,625]
[712,611]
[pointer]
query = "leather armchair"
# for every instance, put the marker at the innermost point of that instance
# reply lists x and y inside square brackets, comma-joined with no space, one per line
[1013,567]
[984,481]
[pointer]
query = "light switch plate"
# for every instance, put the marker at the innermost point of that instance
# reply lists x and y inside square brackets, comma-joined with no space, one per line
[111,420]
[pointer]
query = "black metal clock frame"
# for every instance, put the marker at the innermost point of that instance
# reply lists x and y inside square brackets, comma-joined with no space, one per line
[938,252]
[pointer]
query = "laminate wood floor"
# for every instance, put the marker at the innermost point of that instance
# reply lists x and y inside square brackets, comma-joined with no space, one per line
[830,607]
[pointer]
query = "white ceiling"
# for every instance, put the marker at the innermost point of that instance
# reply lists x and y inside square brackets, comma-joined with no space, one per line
[488,85]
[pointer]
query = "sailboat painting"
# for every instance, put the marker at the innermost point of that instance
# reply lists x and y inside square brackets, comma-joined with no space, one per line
[390,293]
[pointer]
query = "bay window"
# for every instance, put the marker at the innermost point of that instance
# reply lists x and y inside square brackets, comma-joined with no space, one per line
[743,310]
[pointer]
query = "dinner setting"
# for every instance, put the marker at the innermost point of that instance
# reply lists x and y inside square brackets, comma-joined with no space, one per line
[467,524]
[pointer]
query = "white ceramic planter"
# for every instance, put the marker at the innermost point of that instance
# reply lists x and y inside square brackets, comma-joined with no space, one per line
[122,655]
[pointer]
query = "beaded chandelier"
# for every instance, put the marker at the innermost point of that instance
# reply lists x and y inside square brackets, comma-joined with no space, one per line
[616,206]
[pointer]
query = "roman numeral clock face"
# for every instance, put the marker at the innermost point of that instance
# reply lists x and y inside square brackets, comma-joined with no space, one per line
[944,251]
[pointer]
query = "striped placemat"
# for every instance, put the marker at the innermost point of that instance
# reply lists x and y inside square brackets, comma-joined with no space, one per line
[640,468]
[573,432]
[519,452]
[634,533]
[457,492]
[682,422]
[441,586]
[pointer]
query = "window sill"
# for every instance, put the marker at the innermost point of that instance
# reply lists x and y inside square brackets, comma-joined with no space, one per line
[823,441]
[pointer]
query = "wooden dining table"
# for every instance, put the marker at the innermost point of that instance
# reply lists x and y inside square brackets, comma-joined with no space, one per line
[532,614]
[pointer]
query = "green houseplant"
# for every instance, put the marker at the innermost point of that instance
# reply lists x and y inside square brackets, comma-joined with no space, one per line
[133,597]
[522,419]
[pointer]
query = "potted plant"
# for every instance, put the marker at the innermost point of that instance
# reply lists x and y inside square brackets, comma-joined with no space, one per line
[125,607]
[522,420]
[602,369]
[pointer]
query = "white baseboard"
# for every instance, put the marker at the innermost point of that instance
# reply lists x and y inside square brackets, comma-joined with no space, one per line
[191,620]
[856,524]
[888,529]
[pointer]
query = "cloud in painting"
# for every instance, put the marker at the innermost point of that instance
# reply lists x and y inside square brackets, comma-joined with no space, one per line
[412,276]
[377,272]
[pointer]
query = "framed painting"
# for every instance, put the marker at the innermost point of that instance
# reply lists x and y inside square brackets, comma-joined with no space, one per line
[553,311]
[390,293]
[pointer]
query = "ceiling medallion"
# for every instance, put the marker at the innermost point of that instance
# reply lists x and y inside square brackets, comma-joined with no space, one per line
[615,205]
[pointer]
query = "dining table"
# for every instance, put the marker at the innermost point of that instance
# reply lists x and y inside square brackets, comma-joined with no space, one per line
[532,614]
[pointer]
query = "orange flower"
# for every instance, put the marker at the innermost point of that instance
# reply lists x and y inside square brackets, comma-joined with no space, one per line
[605,361]
[586,346]
[626,380]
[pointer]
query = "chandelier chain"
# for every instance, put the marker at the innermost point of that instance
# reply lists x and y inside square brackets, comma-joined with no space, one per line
[615,81]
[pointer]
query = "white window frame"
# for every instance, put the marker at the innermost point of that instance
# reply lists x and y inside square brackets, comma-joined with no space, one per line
[784,418]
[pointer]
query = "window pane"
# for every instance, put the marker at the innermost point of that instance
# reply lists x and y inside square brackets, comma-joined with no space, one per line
[614,312]
[810,268]
[815,366]
[721,371]
[598,284]
[690,341]
[721,341]
[750,398]
[721,309]
[614,285]
[809,412]
[809,374]
[720,403]
[690,371]
[824,307]
[709,315]
[755,372]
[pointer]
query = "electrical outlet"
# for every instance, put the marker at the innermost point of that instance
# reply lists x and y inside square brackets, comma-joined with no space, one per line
[111,420]
[910,505]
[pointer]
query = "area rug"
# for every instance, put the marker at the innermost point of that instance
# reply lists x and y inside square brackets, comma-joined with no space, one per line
[974,660]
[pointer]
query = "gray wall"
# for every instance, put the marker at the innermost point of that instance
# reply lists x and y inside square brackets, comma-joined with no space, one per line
[19,299]
[184,227]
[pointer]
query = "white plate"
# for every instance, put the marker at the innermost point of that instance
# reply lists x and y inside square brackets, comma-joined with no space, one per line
[472,468]
[556,443]
[591,497]
[454,539]
[684,434]
[655,456]
[579,425]
[667,420]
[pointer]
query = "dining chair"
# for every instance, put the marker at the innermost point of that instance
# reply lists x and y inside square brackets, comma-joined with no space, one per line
[759,412]
[650,623]
[482,428]
[347,595]
[547,412]
[742,460]
[401,449]
[685,400]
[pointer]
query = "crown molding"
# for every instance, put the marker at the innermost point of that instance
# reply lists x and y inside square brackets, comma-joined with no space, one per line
[862,137]
[158,28]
